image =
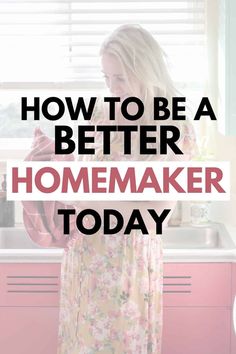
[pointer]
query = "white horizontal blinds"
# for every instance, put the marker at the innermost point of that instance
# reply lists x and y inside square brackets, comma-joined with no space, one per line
[58,41]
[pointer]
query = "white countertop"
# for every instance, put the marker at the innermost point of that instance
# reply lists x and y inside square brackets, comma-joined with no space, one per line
[42,255]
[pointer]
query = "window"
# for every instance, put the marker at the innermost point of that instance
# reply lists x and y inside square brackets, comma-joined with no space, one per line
[54,45]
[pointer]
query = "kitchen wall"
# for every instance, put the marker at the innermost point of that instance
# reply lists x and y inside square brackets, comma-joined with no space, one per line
[226,150]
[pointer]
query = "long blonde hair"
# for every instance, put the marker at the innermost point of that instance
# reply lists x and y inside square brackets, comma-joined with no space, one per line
[140,54]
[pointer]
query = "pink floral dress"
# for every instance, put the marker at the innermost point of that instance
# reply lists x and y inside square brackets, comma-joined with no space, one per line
[111,298]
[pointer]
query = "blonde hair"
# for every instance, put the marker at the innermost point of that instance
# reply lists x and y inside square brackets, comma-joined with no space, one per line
[140,54]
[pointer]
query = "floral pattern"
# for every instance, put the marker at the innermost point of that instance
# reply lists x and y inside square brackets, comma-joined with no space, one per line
[111,299]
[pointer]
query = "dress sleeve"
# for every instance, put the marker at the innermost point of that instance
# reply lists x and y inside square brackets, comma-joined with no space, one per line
[187,143]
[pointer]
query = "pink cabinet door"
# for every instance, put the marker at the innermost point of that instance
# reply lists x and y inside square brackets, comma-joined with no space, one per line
[197,284]
[233,333]
[28,330]
[196,330]
[26,284]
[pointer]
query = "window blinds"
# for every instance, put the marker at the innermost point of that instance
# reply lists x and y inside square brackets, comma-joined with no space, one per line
[57,42]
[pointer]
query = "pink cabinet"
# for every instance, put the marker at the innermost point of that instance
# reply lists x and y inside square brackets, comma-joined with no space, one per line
[29,308]
[233,317]
[197,308]
[30,284]
[197,284]
[28,330]
[198,300]
[196,330]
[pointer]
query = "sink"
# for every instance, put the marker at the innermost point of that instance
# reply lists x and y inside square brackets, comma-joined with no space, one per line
[181,244]
[185,237]
[210,237]
[16,238]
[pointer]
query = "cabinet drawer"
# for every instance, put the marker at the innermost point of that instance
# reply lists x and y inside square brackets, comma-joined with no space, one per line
[29,284]
[197,284]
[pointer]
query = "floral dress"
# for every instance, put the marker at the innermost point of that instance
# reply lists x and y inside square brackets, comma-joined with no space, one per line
[111,300]
[111,297]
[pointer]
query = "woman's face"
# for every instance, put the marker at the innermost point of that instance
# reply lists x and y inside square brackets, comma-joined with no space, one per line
[116,79]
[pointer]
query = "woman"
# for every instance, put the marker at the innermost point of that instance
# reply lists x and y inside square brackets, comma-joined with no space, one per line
[111,298]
